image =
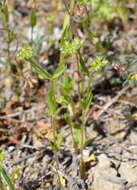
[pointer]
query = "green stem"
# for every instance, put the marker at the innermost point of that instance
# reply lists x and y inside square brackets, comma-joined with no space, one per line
[54,129]
[53,117]
[8,50]
[32,30]
[9,59]
[82,164]
[72,134]
[70,11]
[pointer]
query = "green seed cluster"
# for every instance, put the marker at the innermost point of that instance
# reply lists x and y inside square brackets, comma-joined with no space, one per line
[73,47]
[25,53]
[99,63]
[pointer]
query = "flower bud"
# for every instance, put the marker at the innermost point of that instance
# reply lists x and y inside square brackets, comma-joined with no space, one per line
[81,11]
[77,76]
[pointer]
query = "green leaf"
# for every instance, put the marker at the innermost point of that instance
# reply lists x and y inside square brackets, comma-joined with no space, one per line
[52,105]
[5,15]
[65,29]
[11,37]
[41,72]
[82,66]
[89,142]
[66,89]
[103,10]
[66,23]
[2,156]
[87,102]
[64,99]
[68,83]
[6,178]
[58,72]
[60,139]
[33,18]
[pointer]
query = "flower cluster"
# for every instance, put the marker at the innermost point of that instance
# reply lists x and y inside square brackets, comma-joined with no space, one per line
[99,63]
[73,47]
[25,53]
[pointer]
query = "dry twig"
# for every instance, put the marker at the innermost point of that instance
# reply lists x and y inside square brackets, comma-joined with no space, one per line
[107,105]
[22,112]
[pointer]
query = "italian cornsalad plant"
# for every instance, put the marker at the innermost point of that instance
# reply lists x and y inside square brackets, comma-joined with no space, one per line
[71,85]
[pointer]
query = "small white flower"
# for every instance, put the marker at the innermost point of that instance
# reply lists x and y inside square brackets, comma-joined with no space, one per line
[57,34]
[37,33]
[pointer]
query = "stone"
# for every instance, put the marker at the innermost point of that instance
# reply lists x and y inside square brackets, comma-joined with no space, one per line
[101,174]
[128,171]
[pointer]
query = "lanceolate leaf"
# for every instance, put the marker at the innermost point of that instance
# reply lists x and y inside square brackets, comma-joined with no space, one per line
[58,72]
[41,72]
[66,22]
[82,65]
[60,139]
[6,178]
[11,37]
[65,30]
[5,15]
[88,101]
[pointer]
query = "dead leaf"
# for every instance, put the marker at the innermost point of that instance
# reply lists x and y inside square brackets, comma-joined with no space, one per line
[14,140]
[43,130]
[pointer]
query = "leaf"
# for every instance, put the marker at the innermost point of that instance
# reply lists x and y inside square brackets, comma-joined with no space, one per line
[6,178]
[66,22]
[41,72]
[89,142]
[2,156]
[60,139]
[103,10]
[65,30]
[11,37]
[87,102]
[52,105]
[67,85]
[33,18]
[5,15]
[64,99]
[58,71]
[82,65]
[43,130]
